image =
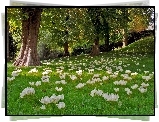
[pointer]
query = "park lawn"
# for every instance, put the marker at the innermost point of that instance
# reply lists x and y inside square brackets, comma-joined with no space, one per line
[137,57]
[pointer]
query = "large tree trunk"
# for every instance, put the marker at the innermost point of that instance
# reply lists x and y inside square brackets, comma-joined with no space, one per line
[66,52]
[95,14]
[30,28]
[95,48]
[8,58]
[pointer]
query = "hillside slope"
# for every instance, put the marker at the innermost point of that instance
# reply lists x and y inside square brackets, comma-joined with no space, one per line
[144,45]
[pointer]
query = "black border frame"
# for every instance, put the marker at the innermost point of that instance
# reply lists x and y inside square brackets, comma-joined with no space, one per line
[73,7]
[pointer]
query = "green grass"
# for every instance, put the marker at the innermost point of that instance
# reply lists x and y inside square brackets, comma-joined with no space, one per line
[79,101]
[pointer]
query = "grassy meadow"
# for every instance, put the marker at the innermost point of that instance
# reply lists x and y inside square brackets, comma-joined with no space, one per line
[120,82]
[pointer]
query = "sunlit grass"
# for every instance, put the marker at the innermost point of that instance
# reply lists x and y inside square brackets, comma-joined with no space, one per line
[137,57]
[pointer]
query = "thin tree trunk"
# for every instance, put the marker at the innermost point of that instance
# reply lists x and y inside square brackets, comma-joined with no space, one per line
[65,45]
[95,48]
[125,30]
[8,58]
[107,37]
[66,52]
[125,37]
[30,28]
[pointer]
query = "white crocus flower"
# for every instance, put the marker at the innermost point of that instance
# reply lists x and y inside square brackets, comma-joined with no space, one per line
[38,83]
[34,70]
[53,98]
[62,76]
[45,100]
[146,72]
[124,75]
[48,70]
[19,70]
[144,84]
[146,78]
[96,75]
[142,90]
[135,73]
[127,78]
[61,97]
[27,91]
[58,89]
[89,81]
[116,73]
[31,83]
[80,85]
[118,68]
[73,77]
[134,86]
[128,71]
[127,89]
[79,72]
[94,80]
[93,92]
[101,83]
[105,95]
[111,97]
[90,71]
[137,63]
[10,79]
[116,89]
[99,92]
[98,80]
[61,67]
[57,82]
[113,76]
[61,105]
[45,73]
[116,82]
[63,82]
[109,72]
[15,73]
[151,75]
[45,78]
[43,107]
[47,63]
[129,92]
[59,71]
[122,82]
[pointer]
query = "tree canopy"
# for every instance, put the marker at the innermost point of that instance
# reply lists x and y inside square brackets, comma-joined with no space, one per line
[80,26]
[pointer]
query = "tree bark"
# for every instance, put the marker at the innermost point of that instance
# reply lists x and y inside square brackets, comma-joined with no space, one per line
[30,28]
[95,14]
[125,30]
[95,48]
[125,38]
[8,58]
[66,52]
[107,37]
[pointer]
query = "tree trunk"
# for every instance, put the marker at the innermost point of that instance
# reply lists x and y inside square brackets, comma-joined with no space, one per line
[125,38]
[66,52]
[125,30]
[8,58]
[95,48]
[30,29]
[107,37]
